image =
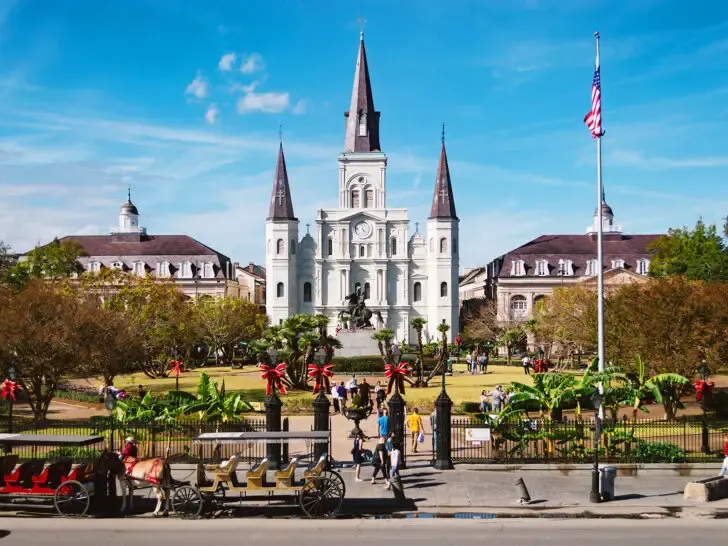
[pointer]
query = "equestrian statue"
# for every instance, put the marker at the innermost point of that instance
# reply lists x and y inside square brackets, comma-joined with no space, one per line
[357,313]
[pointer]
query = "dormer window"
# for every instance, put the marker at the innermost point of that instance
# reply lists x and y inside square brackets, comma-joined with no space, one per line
[643,266]
[591,268]
[94,267]
[185,270]
[139,269]
[518,268]
[542,268]
[618,264]
[117,265]
[208,271]
[163,270]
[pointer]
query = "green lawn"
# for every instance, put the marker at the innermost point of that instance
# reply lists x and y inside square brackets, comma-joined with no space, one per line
[461,386]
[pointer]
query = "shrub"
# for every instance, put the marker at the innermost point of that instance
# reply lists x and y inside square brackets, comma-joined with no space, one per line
[658,452]
[77,396]
[470,407]
[74,453]
[369,365]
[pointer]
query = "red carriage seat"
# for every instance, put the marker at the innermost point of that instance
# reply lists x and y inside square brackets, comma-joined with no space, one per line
[7,464]
[79,473]
[52,475]
[22,477]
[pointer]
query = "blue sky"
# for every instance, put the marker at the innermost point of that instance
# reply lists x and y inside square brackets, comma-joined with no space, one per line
[183,101]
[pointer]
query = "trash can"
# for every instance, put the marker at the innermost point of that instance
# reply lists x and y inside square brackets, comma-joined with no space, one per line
[607,475]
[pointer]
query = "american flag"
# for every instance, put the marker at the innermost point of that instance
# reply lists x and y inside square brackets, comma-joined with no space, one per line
[593,119]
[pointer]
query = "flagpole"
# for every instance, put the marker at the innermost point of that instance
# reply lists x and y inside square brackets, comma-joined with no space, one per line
[600,256]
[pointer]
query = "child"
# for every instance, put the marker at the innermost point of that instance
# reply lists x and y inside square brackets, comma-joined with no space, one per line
[394,458]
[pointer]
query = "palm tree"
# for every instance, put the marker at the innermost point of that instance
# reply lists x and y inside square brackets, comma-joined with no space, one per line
[442,359]
[384,339]
[664,388]
[511,338]
[418,323]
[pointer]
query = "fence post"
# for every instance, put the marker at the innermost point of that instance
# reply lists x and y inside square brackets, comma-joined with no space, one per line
[396,418]
[321,406]
[284,456]
[273,407]
[443,424]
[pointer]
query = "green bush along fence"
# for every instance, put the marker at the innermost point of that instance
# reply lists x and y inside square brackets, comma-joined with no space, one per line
[540,441]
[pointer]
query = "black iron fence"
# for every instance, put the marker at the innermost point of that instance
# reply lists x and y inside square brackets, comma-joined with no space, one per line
[541,441]
[175,441]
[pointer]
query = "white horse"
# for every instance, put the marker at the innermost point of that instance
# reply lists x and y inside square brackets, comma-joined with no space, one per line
[154,473]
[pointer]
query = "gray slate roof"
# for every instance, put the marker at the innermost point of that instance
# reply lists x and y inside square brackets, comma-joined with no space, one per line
[443,201]
[362,103]
[281,205]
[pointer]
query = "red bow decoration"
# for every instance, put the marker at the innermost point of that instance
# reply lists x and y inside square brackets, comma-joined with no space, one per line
[396,374]
[8,390]
[273,376]
[321,375]
[176,366]
[702,389]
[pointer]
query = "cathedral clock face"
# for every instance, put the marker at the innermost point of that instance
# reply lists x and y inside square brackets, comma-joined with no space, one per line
[363,229]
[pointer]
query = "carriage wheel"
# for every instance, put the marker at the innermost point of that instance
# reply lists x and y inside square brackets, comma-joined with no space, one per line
[187,502]
[322,496]
[71,499]
[335,476]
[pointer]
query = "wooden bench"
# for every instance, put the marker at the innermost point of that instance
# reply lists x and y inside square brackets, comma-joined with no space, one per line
[318,469]
[225,473]
[255,478]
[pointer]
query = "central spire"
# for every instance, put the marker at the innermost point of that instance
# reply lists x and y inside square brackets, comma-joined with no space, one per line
[443,202]
[281,206]
[362,121]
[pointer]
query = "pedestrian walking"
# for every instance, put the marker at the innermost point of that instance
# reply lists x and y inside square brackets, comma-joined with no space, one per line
[365,393]
[380,461]
[335,398]
[417,429]
[383,424]
[433,425]
[395,456]
[357,454]
[341,394]
[380,394]
[526,362]
[724,468]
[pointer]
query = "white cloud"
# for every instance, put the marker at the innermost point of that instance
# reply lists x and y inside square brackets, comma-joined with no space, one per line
[198,88]
[253,63]
[269,103]
[300,107]
[212,116]
[227,61]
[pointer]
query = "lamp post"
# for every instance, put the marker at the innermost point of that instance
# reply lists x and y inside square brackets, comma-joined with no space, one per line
[704,371]
[441,428]
[594,495]
[12,376]
[321,406]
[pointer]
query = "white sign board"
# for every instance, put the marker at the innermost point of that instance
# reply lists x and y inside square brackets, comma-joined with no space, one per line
[477,435]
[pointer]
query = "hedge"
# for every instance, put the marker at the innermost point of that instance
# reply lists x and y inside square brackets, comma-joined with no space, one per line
[370,365]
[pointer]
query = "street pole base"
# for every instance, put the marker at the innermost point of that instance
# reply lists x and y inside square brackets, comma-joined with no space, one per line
[595,497]
[443,465]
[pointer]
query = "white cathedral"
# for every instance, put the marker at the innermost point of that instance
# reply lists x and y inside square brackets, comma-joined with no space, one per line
[363,246]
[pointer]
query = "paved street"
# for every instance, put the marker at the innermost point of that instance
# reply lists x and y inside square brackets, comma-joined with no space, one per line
[127,532]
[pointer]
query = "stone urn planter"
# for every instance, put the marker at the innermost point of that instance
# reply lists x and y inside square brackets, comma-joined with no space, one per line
[357,414]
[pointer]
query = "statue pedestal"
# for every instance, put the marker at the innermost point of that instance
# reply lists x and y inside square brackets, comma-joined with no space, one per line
[358,343]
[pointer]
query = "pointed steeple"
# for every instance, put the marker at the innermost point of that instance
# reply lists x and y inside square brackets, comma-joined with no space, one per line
[443,202]
[281,206]
[362,121]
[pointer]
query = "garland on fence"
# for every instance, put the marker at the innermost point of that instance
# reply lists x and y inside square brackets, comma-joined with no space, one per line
[702,389]
[321,375]
[396,374]
[8,390]
[274,378]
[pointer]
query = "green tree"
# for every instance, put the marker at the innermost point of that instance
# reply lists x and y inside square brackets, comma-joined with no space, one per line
[442,359]
[7,260]
[696,254]
[56,260]
[226,322]
[418,323]
[384,339]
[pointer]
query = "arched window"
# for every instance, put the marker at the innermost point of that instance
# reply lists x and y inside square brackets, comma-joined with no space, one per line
[280,246]
[417,291]
[519,307]
[331,246]
[367,290]
[293,247]
[443,246]
[355,199]
[368,199]
[307,292]
[393,246]
[443,289]
[279,290]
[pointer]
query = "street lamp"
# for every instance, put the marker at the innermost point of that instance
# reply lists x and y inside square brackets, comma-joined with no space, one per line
[12,376]
[594,495]
[704,372]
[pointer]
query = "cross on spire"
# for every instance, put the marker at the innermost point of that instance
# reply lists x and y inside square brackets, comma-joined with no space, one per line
[281,195]
[443,194]
[361,22]
[417,227]
[308,229]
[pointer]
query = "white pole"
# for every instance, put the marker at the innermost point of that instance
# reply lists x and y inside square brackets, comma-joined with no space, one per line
[600,256]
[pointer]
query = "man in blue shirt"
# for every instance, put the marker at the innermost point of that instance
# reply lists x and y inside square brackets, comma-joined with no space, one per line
[383,423]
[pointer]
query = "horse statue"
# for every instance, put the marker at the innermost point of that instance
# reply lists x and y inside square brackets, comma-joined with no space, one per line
[357,313]
[133,473]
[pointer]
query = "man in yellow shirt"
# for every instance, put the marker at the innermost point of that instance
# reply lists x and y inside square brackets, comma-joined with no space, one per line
[414,422]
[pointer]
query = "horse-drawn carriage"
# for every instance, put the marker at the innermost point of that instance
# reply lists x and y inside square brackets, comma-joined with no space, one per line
[318,490]
[64,483]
